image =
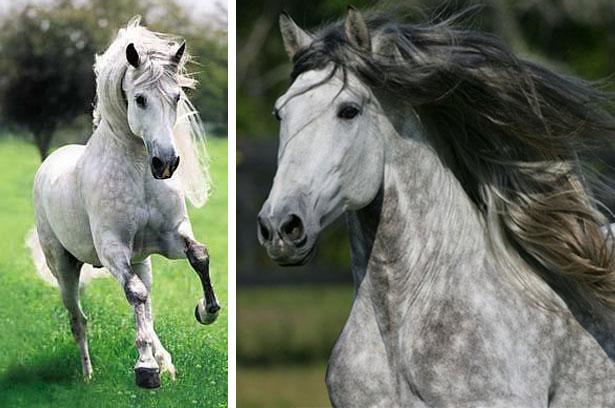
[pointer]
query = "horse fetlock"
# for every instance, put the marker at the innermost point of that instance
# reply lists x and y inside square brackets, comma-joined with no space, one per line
[206,311]
[144,343]
[165,362]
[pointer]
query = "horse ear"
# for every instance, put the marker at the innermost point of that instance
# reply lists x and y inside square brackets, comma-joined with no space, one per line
[357,32]
[386,48]
[293,37]
[179,53]
[132,56]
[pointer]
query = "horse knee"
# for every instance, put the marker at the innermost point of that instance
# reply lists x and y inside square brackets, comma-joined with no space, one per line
[135,290]
[197,255]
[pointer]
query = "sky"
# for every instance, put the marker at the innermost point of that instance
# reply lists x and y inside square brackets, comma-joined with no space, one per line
[198,8]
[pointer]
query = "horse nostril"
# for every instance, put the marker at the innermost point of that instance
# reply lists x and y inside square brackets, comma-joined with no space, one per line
[263,228]
[157,163]
[293,228]
[175,164]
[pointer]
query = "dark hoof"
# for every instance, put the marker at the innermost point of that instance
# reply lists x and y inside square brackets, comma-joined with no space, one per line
[147,377]
[206,315]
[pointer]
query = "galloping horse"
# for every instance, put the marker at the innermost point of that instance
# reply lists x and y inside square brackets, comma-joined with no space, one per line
[483,273]
[113,202]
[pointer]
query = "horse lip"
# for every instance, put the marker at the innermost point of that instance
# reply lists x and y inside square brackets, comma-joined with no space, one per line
[306,258]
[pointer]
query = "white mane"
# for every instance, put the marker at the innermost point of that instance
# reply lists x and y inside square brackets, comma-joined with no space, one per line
[156,50]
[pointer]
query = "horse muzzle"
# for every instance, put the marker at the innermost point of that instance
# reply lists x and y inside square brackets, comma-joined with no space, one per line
[286,239]
[163,168]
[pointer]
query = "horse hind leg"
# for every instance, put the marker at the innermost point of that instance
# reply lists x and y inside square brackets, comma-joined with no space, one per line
[67,269]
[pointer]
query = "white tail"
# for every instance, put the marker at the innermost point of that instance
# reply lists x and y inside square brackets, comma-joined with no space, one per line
[88,272]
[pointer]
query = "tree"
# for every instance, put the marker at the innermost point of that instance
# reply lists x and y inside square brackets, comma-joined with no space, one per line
[47,52]
[210,69]
[47,61]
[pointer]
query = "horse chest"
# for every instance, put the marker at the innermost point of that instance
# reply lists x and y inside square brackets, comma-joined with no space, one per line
[143,214]
[359,373]
[159,216]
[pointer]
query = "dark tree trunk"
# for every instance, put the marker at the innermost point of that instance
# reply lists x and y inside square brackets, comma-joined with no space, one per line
[42,138]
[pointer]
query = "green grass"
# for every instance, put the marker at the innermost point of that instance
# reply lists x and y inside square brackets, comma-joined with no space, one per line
[289,325]
[282,386]
[284,338]
[39,361]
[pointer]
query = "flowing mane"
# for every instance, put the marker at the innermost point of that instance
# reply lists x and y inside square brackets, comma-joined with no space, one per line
[517,135]
[188,134]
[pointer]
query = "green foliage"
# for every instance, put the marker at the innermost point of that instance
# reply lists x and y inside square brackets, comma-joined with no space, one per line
[284,338]
[48,52]
[39,361]
[210,66]
[48,58]
[287,325]
[282,386]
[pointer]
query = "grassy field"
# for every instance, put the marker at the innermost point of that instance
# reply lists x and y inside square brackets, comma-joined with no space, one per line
[282,386]
[39,362]
[284,338]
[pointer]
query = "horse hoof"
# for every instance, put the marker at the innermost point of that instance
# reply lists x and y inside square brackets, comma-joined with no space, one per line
[147,377]
[206,315]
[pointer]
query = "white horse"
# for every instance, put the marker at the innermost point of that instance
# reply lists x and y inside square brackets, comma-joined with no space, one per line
[113,202]
[482,274]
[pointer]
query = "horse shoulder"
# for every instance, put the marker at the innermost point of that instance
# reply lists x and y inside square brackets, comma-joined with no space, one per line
[583,375]
[358,372]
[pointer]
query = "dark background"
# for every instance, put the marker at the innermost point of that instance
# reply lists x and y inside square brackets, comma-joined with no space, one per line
[288,318]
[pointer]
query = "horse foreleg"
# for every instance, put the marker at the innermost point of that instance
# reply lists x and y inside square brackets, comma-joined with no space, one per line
[181,244]
[147,371]
[162,356]
[115,257]
[207,309]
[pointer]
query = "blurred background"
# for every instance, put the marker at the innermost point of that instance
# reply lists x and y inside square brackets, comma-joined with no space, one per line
[47,50]
[289,318]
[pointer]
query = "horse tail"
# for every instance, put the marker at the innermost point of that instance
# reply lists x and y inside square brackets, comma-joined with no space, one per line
[88,272]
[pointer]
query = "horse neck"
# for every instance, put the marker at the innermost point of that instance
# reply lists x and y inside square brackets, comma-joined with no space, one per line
[108,143]
[420,237]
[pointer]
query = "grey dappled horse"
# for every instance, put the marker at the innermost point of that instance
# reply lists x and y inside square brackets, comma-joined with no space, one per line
[114,202]
[483,275]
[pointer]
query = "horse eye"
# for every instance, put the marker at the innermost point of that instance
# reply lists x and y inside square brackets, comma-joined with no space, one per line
[141,101]
[348,112]
[276,113]
[177,98]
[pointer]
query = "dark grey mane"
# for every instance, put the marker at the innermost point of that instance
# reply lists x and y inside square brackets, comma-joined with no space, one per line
[519,135]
